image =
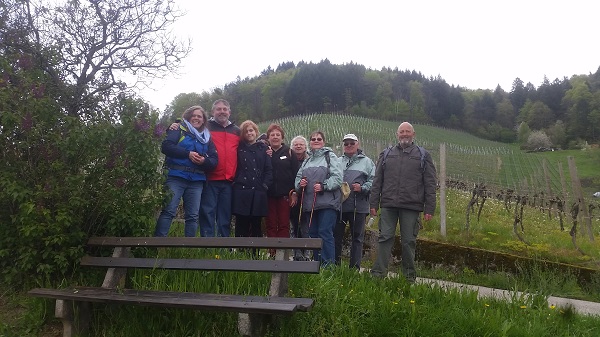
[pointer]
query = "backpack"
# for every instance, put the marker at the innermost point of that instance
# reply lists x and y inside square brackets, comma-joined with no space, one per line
[386,152]
[345,188]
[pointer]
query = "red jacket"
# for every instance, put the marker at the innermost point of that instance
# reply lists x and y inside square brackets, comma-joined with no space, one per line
[226,140]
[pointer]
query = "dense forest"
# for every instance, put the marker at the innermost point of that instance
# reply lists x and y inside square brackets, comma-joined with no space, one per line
[564,113]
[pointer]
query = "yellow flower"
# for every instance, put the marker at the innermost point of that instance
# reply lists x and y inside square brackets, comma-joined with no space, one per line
[552,307]
[217,257]
[412,301]
[487,305]
[523,307]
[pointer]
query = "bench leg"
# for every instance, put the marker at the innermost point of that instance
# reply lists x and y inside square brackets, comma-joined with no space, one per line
[279,281]
[252,325]
[75,317]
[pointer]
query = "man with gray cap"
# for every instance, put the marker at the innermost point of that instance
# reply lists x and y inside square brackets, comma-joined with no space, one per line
[359,172]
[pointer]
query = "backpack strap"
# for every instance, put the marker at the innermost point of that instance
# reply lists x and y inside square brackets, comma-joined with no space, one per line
[422,152]
[328,160]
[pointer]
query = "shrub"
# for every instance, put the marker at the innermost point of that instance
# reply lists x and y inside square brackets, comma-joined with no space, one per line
[64,178]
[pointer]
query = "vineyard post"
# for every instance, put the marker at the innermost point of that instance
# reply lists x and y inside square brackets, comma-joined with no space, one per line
[442,181]
[578,194]
[549,194]
[563,184]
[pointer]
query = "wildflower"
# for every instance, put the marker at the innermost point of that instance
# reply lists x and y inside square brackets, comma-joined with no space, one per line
[486,305]
[27,122]
[412,301]
[394,302]
[141,125]
[552,307]
[523,307]
[217,257]
[159,131]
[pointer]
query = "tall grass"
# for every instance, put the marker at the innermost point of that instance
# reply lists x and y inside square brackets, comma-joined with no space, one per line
[348,303]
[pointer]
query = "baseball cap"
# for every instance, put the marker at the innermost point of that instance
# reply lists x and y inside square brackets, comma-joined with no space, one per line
[351,136]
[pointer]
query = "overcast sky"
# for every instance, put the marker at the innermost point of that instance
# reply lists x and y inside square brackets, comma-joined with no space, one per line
[471,43]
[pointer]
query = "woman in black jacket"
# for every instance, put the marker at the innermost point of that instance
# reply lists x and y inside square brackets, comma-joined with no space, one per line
[285,165]
[253,177]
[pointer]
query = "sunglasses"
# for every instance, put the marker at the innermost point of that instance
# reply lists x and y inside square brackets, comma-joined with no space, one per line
[316,139]
[349,143]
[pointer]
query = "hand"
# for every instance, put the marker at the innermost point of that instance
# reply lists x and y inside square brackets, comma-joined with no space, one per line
[318,187]
[427,217]
[373,212]
[196,158]
[174,126]
[303,182]
[356,187]
[269,152]
[294,199]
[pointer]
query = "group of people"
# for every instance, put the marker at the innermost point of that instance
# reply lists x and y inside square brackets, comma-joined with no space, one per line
[220,170]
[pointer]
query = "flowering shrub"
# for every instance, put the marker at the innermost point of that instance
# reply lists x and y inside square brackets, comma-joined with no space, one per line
[64,178]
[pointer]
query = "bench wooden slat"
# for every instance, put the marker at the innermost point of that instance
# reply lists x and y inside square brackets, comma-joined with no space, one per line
[202,242]
[232,303]
[194,264]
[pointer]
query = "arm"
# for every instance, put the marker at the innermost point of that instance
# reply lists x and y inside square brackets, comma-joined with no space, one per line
[267,171]
[370,170]
[336,173]
[212,159]
[375,196]
[170,148]
[430,184]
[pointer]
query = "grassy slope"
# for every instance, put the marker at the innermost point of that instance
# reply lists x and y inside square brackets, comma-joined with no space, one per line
[474,160]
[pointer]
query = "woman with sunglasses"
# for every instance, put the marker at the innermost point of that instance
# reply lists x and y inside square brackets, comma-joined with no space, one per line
[318,183]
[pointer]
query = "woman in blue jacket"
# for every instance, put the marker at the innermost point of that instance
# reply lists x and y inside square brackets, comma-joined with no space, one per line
[190,153]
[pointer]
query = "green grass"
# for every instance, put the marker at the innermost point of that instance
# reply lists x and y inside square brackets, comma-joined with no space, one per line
[348,303]
[352,304]
[494,231]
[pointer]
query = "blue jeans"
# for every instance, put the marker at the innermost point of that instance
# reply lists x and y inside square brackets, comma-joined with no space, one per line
[321,227]
[215,210]
[191,191]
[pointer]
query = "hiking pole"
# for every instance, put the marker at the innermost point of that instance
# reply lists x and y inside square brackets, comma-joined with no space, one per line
[355,196]
[312,209]
[301,199]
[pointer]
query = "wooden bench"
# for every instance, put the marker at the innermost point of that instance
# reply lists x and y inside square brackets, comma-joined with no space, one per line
[73,306]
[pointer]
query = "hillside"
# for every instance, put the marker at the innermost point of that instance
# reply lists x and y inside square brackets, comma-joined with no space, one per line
[469,159]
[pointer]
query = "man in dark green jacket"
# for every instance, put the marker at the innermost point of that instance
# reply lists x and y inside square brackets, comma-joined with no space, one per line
[404,186]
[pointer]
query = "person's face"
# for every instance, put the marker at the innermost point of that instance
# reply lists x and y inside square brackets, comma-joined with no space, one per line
[405,134]
[197,119]
[350,147]
[316,141]
[250,135]
[221,113]
[275,139]
[299,147]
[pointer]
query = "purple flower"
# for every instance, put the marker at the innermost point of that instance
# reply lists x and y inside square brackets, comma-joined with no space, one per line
[141,125]
[25,62]
[27,122]
[37,90]
[159,131]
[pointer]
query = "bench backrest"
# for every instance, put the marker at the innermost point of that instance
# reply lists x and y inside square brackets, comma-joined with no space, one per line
[281,265]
